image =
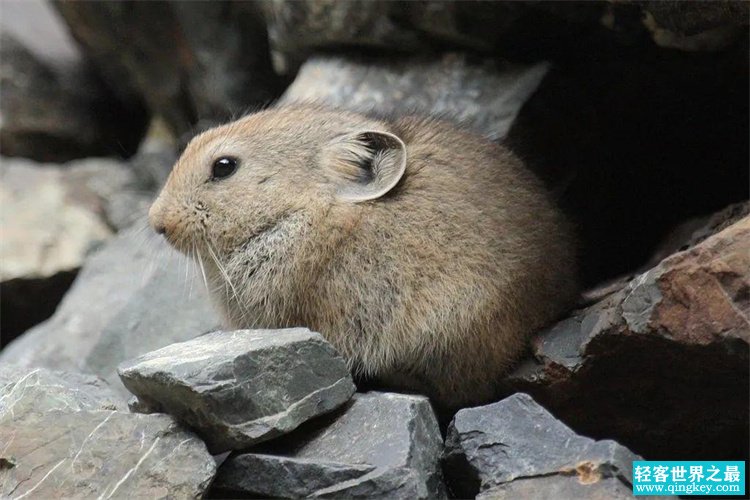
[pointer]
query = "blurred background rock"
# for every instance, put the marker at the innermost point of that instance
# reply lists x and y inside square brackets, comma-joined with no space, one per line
[634,113]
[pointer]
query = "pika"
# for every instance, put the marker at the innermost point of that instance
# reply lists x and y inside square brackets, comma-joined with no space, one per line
[425,254]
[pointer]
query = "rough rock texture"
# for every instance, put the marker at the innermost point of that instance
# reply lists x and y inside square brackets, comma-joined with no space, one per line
[55,443]
[561,486]
[486,95]
[133,296]
[515,445]
[57,110]
[654,362]
[52,215]
[526,30]
[45,390]
[693,231]
[241,387]
[52,218]
[381,445]
[298,28]
[211,63]
[695,26]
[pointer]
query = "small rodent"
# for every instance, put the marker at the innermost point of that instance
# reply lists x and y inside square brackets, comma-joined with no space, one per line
[425,254]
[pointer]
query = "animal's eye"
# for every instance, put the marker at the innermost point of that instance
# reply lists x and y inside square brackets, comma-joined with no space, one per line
[224,167]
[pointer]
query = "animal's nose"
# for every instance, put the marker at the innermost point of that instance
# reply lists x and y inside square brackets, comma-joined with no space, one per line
[156,218]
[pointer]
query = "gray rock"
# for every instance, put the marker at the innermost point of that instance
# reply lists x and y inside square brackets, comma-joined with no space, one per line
[695,26]
[56,445]
[136,405]
[54,108]
[238,388]
[487,96]
[560,486]
[150,166]
[692,231]
[656,334]
[498,445]
[53,216]
[520,30]
[380,446]
[46,390]
[211,63]
[133,296]
[300,28]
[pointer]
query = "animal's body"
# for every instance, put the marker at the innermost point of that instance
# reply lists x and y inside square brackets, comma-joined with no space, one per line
[425,254]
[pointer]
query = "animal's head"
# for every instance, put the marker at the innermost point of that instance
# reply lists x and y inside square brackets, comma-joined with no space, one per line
[236,181]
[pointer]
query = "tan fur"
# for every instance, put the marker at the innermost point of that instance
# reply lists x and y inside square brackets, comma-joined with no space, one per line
[434,286]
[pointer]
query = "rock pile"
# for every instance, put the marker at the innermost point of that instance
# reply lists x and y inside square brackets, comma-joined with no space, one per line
[280,401]
[242,387]
[381,445]
[66,435]
[132,296]
[54,106]
[515,448]
[673,339]
[635,114]
[235,390]
[52,218]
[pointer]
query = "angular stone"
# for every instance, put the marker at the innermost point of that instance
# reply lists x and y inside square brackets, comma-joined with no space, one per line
[695,26]
[670,347]
[54,108]
[381,445]
[238,388]
[515,445]
[133,296]
[52,217]
[55,445]
[485,96]
[515,30]
[300,28]
[45,390]
[297,28]
[189,61]
[692,231]
[563,487]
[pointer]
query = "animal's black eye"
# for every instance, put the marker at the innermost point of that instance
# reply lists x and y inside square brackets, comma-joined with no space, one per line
[224,167]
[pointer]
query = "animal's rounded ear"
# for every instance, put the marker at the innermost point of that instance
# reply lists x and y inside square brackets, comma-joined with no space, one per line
[365,165]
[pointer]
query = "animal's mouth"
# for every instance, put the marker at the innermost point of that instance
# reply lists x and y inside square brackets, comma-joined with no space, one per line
[179,244]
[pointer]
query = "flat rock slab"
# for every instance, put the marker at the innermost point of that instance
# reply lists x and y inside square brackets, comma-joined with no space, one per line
[238,388]
[67,450]
[381,445]
[507,446]
[486,96]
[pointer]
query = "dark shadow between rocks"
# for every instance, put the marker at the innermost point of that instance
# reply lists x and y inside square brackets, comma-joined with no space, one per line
[642,392]
[633,145]
[27,302]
